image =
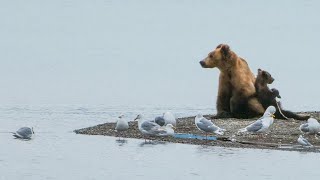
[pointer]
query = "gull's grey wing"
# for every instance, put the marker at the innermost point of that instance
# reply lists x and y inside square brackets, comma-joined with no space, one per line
[304,127]
[16,135]
[306,142]
[206,125]
[148,125]
[159,120]
[256,126]
[205,122]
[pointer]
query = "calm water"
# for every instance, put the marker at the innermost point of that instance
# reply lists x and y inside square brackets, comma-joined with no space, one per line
[57,153]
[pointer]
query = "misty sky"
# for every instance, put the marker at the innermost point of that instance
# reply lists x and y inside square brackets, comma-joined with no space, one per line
[148,52]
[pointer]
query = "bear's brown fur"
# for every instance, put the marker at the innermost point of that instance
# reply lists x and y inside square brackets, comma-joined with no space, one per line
[267,96]
[236,93]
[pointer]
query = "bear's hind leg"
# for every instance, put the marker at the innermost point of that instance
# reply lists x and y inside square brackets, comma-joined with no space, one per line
[239,107]
[255,108]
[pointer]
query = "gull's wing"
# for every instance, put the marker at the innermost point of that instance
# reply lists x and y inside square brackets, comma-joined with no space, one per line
[304,127]
[206,122]
[160,120]
[306,141]
[148,125]
[254,127]
[206,125]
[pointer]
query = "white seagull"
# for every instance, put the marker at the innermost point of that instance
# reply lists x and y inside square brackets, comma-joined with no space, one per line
[207,126]
[262,124]
[24,133]
[311,127]
[122,124]
[150,128]
[166,118]
[168,130]
[304,142]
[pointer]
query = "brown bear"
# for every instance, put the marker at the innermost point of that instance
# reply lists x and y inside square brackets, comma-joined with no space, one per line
[236,92]
[267,96]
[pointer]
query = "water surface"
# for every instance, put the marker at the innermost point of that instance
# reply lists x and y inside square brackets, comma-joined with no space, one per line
[58,153]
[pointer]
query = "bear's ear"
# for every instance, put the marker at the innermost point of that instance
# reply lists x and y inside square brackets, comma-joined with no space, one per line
[219,46]
[225,49]
[259,71]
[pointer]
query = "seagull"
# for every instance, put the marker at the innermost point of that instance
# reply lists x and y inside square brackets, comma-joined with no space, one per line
[24,133]
[166,118]
[311,127]
[168,130]
[122,124]
[150,128]
[207,126]
[160,120]
[304,142]
[262,124]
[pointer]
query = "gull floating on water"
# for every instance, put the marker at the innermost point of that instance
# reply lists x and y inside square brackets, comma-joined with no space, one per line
[153,129]
[24,133]
[262,124]
[311,127]
[122,124]
[303,141]
[166,118]
[207,126]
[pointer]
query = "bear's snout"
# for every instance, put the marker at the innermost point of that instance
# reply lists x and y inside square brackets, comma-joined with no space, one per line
[203,64]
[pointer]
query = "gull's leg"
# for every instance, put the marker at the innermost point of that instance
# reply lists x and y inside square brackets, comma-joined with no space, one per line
[206,136]
[316,136]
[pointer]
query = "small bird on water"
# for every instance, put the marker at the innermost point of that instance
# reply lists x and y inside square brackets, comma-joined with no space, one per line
[24,133]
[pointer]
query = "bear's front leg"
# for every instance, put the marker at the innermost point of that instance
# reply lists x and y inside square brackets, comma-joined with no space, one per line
[223,99]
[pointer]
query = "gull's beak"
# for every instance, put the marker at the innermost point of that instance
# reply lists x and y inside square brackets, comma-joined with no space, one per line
[135,118]
[272,115]
[174,128]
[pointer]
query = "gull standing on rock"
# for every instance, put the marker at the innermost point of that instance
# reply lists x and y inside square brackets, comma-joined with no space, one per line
[311,127]
[304,142]
[150,128]
[168,130]
[207,126]
[262,124]
[160,120]
[122,125]
[166,118]
[24,133]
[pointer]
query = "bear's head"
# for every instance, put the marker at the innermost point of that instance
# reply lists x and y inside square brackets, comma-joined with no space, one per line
[221,58]
[264,76]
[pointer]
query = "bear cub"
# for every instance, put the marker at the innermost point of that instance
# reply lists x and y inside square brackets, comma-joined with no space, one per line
[267,96]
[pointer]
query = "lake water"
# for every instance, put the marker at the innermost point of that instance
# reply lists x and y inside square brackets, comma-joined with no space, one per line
[56,152]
